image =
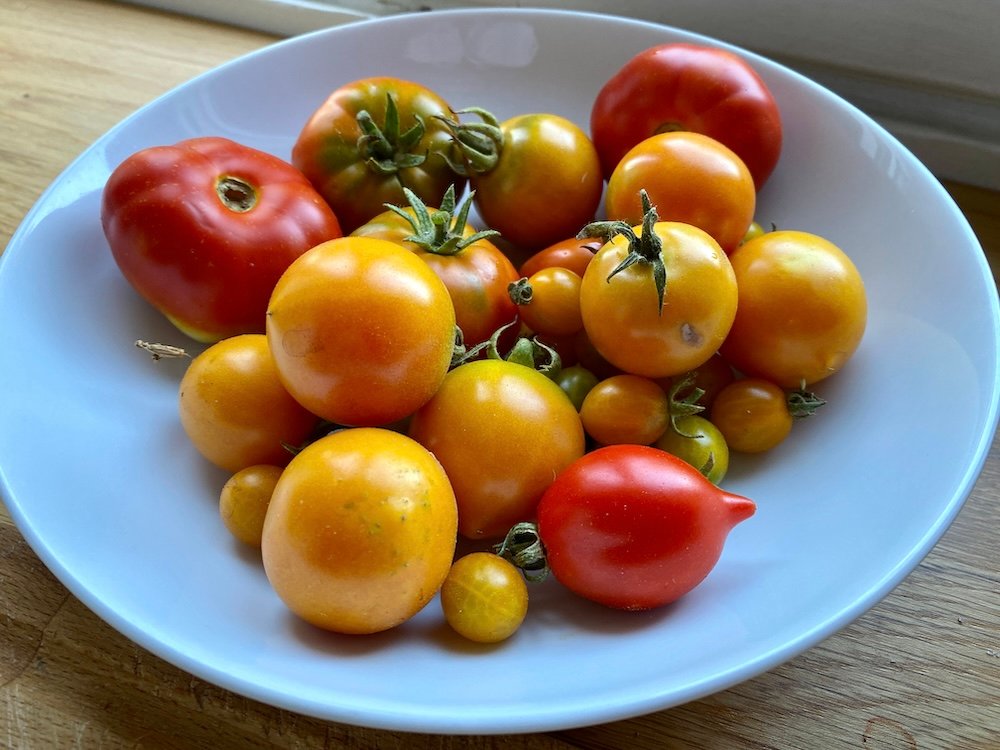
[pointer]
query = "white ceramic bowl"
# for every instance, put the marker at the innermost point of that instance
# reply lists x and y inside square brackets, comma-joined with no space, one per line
[105,487]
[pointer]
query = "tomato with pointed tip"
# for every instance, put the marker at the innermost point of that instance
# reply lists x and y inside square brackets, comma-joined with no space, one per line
[633,527]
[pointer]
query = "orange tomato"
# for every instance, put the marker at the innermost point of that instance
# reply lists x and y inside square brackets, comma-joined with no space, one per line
[362,331]
[361,531]
[690,178]
[625,409]
[235,409]
[621,312]
[802,312]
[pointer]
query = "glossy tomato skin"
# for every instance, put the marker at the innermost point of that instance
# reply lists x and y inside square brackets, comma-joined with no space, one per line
[484,598]
[753,415]
[477,276]
[633,527]
[622,317]
[690,87]
[362,331]
[625,409]
[554,306]
[235,409]
[502,431]
[803,308]
[203,229]
[360,531]
[546,185]
[328,152]
[689,178]
[573,254]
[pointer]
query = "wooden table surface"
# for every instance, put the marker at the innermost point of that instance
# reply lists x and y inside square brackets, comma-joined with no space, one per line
[919,670]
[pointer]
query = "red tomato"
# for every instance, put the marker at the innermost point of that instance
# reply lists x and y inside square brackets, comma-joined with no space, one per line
[502,431]
[369,140]
[573,254]
[688,87]
[802,312]
[362,331]
[633,527]
[203,229]
[476,272]
[690,178]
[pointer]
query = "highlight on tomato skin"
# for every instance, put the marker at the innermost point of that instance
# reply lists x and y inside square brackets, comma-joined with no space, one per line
[362,331]
[360,532]
[633,527]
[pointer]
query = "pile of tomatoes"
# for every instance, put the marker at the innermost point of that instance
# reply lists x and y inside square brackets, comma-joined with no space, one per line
[382,379]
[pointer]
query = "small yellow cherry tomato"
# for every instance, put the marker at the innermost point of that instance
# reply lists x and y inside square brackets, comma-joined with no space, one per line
[244,500]
[484,598]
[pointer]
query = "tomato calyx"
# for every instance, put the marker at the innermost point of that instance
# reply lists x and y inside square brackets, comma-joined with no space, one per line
[684,406]
[441,231]
[387,150]
[236,194]
[644,248]
[479,143]
[523,548]
[520,291]
[529,352]
[803,403]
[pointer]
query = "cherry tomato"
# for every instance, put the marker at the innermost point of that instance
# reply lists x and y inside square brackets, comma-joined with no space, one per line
[752,414]
[361,531]
[576,381]
[502,431]
[572,254]
[371,138]
[698,442]
[476,272]
[537,181]
[690,178]
[636,329]
[484,598]
[802,311]
[204,228]
[244,500]
[633,527]
[548,301]
[673,87]
[362,331]
[235,409]
[625,409]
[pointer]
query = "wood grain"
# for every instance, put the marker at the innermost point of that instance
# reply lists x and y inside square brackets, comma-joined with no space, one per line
[920,670]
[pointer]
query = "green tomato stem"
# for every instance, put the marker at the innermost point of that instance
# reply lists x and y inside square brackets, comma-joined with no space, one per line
[523,548]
